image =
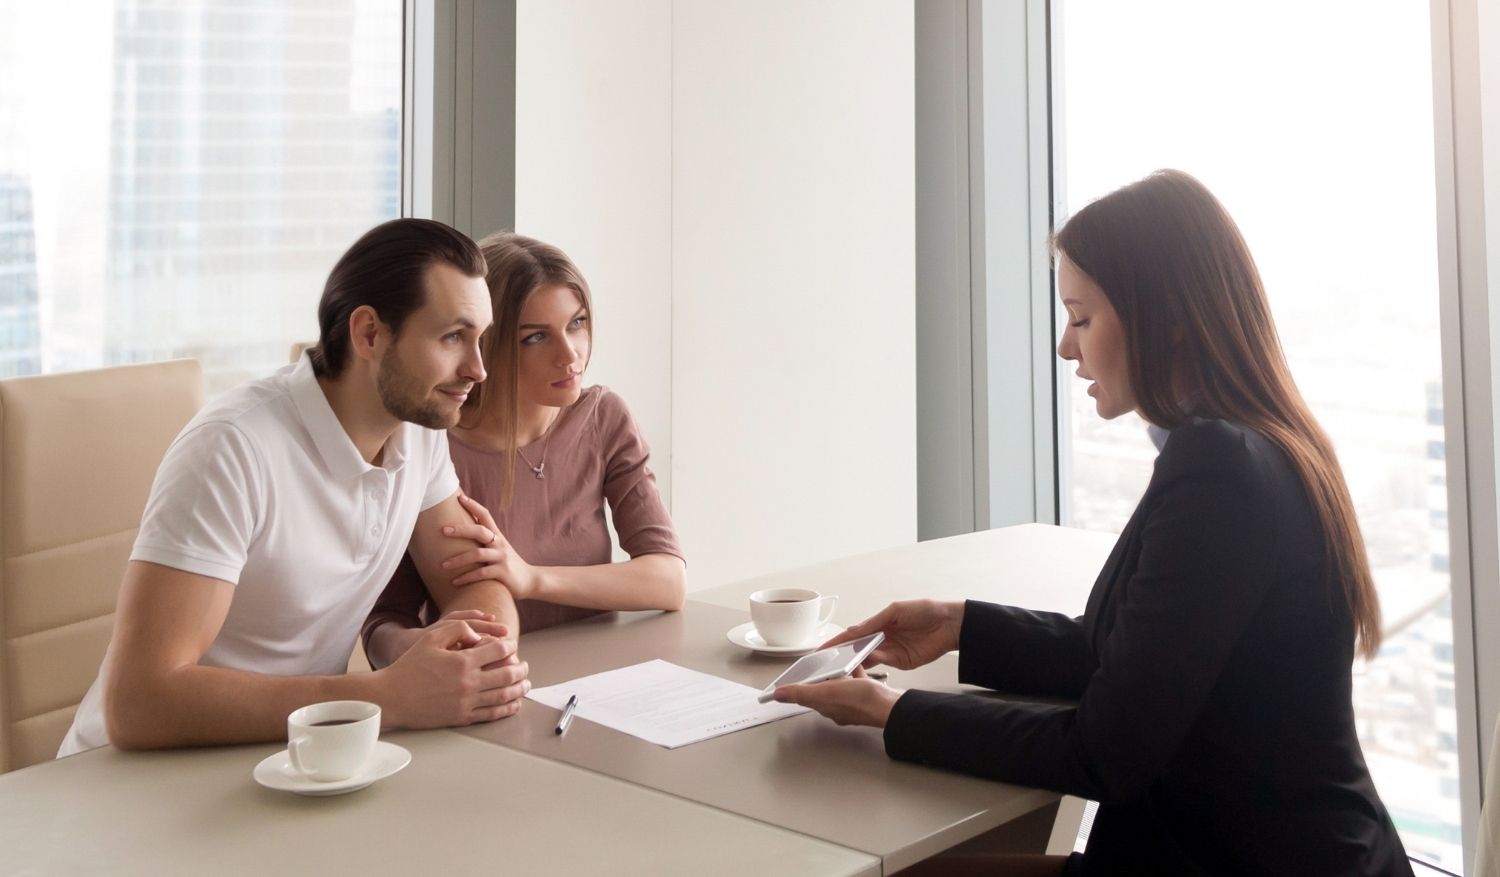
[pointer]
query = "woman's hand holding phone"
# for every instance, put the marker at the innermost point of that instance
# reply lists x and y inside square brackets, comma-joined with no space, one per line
[917,632]
[856,700]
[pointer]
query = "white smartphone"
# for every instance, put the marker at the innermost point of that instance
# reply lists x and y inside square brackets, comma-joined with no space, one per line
[826,664]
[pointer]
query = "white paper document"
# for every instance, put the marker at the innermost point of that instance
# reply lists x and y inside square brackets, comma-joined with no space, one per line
[665,704]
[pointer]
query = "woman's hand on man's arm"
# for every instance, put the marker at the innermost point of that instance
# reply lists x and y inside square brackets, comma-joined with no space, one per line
[434,541]
[490,556]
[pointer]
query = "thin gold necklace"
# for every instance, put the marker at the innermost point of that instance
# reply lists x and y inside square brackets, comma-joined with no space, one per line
[538,467]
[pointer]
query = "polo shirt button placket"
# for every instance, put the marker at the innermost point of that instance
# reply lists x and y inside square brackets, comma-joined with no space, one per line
[376,493]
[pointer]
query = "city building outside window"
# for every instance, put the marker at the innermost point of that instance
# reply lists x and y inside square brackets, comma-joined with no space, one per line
[177,178]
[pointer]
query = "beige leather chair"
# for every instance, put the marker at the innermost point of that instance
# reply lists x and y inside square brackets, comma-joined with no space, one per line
[78,453]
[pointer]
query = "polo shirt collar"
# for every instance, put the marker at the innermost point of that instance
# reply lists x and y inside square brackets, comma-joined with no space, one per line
[333,443]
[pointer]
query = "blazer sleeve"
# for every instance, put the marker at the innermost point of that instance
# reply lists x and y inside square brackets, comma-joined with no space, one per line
[1208,549]
[1020,651]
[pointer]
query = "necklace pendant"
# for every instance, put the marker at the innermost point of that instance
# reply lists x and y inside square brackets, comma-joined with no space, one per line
[538,471]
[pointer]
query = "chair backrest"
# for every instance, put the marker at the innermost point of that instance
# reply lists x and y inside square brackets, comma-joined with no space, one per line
[1487,856]
[78,453]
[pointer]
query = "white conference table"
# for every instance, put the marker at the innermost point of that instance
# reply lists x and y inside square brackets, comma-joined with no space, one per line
[510,796]
[461,807]
[1036,566]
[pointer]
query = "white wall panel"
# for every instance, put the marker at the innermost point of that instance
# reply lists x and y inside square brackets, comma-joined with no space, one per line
[736,180]
[593,176]
[794,402]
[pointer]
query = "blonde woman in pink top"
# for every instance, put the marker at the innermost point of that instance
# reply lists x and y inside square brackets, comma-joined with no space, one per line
[538,455]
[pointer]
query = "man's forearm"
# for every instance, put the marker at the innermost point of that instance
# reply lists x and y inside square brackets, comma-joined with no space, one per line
[431,546]
[388,642]
[486,596]
[392,638]
[203,706]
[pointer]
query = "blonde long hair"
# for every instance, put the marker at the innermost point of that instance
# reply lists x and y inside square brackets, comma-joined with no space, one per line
[1177,271]
[517,266]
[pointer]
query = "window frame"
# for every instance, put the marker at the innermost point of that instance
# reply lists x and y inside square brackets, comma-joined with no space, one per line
[458,157]
[985,311]
[1469,386]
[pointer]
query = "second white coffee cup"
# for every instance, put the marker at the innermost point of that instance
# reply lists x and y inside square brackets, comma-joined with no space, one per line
[333,740]
[790,616]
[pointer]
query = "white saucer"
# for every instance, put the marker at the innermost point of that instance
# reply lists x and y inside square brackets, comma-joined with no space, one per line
[747,637]
[275,772]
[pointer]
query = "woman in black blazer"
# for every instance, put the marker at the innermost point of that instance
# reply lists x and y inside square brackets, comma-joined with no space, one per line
[1211,668]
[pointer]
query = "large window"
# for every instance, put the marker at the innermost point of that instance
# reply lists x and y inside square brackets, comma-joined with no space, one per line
[176,178]
[1313,124]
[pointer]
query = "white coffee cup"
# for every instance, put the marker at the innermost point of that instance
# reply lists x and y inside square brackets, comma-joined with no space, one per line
[789,616]
[332,741]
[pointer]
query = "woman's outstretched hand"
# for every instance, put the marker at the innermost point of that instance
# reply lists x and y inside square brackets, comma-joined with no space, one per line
[916,632]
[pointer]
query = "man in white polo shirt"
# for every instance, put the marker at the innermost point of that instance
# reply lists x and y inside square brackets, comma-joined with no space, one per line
[281,511]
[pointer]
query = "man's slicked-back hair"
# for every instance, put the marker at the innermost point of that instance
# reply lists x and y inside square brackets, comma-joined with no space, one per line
[385,269]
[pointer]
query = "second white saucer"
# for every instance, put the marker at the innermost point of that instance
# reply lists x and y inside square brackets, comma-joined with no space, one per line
[747,637]
[275,772]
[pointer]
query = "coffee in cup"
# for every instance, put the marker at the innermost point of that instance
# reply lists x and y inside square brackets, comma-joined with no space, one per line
[789,616]
[332,741]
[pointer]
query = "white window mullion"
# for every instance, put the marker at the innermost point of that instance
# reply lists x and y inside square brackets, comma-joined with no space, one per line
[1467,296]
[459,127]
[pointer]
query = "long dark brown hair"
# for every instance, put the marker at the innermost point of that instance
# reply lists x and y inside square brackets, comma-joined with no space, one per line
[1177,271]
[517,267]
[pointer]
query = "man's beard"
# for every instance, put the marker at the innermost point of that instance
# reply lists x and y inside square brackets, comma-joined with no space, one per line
[404,399]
